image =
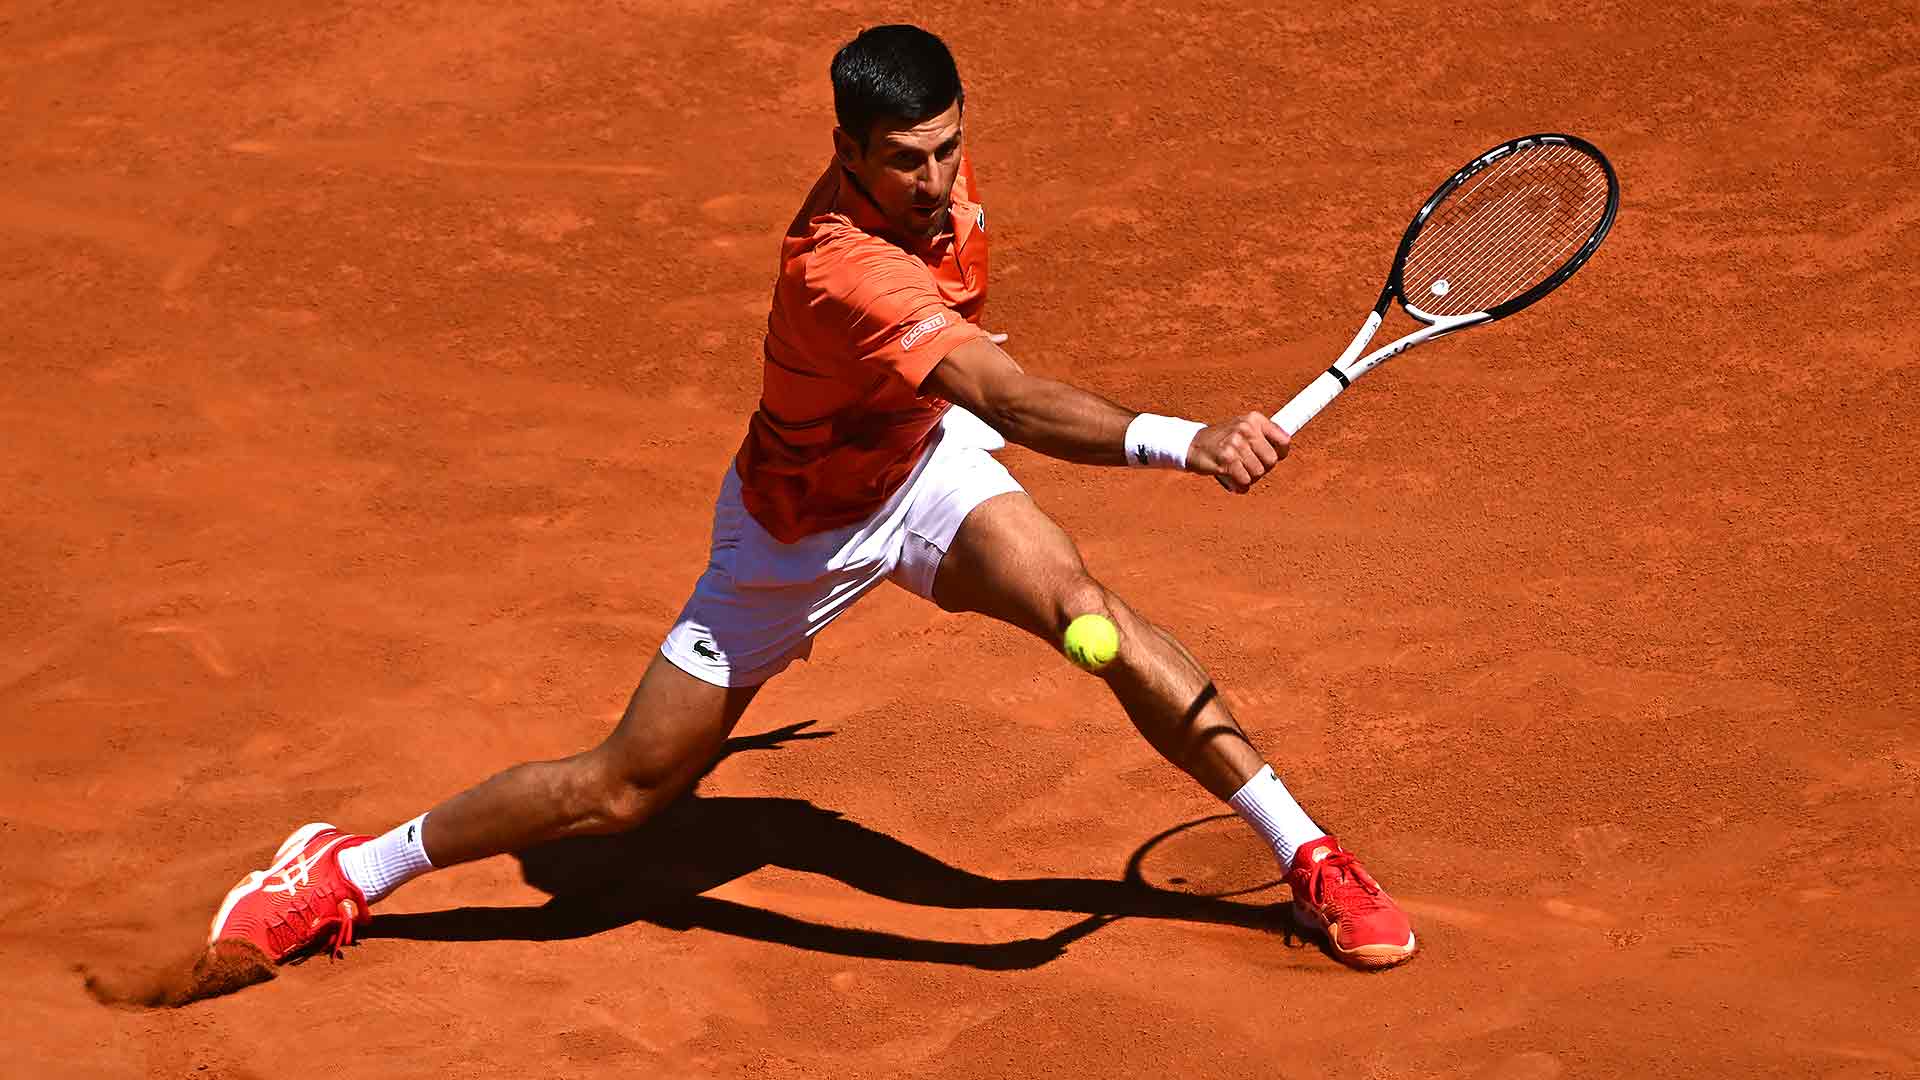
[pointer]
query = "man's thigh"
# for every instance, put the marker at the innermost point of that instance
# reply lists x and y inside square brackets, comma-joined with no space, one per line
[1011,561]
[674,723]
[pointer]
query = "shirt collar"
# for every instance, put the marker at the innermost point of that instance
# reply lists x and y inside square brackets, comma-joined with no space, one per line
[852,200]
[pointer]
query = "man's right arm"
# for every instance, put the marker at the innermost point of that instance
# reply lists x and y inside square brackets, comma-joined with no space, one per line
[1071,424]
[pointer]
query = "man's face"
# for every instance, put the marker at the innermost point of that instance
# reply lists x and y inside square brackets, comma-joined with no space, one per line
[909,171]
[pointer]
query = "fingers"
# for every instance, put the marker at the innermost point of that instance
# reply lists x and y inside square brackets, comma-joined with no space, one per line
[1276,435]
[1267,440]
[1264,450]
[1242,468]
[1248,448]
[1232,471]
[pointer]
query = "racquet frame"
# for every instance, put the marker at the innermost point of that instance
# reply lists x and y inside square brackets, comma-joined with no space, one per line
[1352,364]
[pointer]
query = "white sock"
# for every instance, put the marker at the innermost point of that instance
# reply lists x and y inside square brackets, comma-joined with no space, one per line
[1268,806]
[387,862]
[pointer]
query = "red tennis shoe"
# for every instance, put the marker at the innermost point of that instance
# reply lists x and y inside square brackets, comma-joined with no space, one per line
[294,902]
[1334,894]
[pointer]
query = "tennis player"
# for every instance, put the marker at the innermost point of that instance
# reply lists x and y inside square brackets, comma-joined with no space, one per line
[860,467]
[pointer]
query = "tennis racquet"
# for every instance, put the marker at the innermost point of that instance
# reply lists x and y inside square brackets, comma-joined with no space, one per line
[1506,230]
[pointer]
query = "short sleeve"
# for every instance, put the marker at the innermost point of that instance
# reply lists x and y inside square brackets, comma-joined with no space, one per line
[893,317]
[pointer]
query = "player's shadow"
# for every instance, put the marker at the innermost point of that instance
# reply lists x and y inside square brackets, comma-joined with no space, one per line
[660,872]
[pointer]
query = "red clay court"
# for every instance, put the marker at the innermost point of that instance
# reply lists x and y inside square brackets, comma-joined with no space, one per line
[369,373]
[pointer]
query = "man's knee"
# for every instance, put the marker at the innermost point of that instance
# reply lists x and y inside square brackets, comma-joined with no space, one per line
[629,804]
[619,803]
[1082,595]
[1085,596]
[623,790]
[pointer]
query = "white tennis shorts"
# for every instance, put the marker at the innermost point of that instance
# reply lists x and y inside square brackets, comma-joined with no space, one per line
[760,602]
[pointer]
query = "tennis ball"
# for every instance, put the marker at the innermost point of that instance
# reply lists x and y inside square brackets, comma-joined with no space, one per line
[1092,641]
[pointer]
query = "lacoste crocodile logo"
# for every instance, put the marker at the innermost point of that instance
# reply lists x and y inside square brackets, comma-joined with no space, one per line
[706,651]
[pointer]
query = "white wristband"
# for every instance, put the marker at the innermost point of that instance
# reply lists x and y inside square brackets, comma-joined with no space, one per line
[1160,442]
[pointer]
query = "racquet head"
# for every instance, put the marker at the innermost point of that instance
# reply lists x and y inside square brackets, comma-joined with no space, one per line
[1507,229]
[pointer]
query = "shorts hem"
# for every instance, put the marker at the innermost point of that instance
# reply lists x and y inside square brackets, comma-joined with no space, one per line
[727,679]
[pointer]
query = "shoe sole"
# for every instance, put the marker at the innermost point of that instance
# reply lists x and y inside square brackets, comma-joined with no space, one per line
[1367,957]
[290,848]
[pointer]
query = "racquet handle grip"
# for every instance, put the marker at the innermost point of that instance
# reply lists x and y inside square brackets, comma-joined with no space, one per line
[1308,403]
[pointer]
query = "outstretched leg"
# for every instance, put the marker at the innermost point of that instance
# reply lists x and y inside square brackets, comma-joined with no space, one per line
[672,730]
[1011,561]
[322,880]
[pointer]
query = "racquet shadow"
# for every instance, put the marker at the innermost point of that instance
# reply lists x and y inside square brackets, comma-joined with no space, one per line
[659,874]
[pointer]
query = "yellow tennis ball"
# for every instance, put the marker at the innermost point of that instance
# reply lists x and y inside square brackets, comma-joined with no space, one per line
[1092,641]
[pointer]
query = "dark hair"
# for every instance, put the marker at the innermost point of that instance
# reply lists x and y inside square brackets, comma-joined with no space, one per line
[893,73]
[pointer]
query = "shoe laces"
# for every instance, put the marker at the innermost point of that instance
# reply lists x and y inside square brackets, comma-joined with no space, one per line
[300,925]
[1352,889]
[344,936]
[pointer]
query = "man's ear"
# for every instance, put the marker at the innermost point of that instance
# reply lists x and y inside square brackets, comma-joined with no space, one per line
[845,149]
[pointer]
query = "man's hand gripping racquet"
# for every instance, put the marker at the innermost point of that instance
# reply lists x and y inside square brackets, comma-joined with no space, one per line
[1501,233]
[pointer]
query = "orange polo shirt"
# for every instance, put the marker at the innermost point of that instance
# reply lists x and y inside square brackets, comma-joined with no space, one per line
[859,319]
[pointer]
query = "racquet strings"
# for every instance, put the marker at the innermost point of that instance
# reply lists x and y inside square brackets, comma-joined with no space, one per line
[1505,230]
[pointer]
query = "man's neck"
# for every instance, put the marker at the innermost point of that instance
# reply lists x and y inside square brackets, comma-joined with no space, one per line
[920,242]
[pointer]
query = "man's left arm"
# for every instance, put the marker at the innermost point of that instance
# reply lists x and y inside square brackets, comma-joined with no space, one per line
[1072,424]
